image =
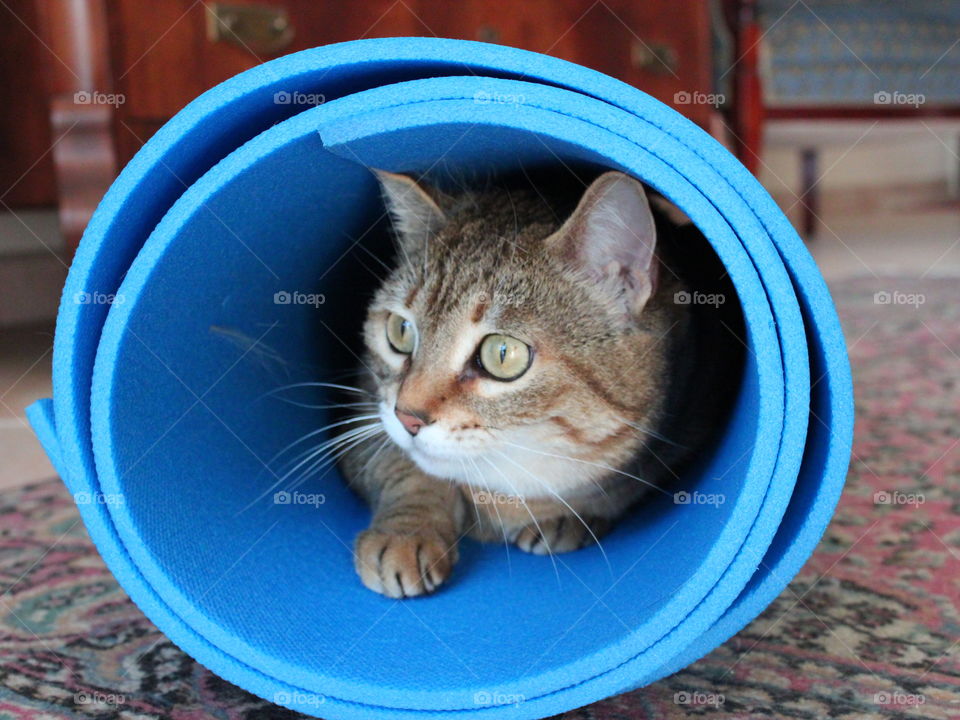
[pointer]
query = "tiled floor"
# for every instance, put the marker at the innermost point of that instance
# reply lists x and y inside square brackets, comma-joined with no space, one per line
[917,240]
[913,240]
[25,355]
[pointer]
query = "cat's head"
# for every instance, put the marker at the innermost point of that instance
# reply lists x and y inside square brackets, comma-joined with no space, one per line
[515,349]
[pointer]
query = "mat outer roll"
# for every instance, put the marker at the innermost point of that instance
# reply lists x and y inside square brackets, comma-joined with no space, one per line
[240,197]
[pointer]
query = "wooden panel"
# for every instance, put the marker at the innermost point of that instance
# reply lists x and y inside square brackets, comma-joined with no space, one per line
[675,36]
[82,108]
[157,52]
[873,112]
[26,167]
[162,58]
[131,134]
[604,36]
[85,161]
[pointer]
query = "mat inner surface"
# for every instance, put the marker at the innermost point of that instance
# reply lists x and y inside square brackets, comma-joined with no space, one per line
[204,340]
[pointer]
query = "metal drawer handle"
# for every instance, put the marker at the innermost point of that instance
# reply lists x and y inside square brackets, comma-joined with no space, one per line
[653,57]
[259,28]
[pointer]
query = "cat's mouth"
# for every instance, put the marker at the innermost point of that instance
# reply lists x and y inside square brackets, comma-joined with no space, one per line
[430,453]
[430,449]
[418,453]
[440,462]
[444,465]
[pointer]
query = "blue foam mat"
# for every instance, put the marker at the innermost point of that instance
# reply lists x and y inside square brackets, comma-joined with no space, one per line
[240,197]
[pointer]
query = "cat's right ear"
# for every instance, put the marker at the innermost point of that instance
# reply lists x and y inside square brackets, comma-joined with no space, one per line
[611,237]
[416,215]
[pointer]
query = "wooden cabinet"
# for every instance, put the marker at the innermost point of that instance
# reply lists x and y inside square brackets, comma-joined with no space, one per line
[153,57]
[163,56]
[26,167]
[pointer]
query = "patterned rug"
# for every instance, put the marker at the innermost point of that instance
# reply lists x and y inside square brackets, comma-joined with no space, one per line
[869,629]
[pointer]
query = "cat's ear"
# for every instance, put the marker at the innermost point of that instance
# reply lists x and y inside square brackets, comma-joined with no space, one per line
[416,214]
[611,236]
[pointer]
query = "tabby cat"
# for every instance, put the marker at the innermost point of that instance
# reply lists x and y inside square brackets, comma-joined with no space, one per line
[535,368]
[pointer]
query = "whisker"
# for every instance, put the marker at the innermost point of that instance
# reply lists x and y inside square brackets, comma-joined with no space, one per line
[312,433]
[312,453]
[654,434]
[568,506]
[369,462]
[587,462]
[334,455]
[330,406]
[476,508]
[526,507]
[352,372]
[503,529]
[329,444]
[333,386]
[329,451]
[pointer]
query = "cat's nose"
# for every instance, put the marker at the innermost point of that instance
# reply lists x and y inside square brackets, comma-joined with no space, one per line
[412,420]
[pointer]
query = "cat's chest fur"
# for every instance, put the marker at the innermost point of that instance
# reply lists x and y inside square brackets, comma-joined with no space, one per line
[494,513]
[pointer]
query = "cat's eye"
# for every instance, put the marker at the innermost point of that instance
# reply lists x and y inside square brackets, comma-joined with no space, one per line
[504,357]
[401,334]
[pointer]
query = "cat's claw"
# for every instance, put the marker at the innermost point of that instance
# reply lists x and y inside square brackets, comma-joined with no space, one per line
[403,565]
[560,535]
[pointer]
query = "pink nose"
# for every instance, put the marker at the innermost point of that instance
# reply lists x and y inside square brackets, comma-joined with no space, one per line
[411,421]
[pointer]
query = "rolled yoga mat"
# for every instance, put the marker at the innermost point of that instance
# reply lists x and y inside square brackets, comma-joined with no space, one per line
[227,260]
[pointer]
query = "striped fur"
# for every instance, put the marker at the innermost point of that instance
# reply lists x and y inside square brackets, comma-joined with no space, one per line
[608,409]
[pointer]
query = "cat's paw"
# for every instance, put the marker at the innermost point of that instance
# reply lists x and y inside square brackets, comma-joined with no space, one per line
[402,565]
[560,535]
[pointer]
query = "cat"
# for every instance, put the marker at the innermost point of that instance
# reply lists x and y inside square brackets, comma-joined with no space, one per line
[535,368]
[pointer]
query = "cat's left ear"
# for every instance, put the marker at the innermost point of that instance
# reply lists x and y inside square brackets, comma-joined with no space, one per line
[415,212]
[611,236]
